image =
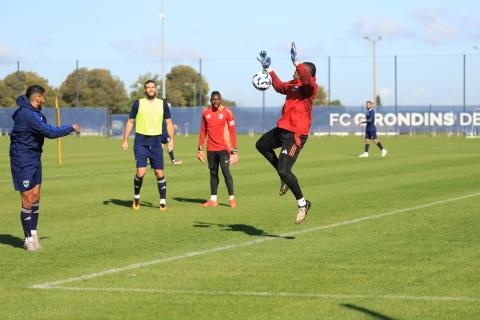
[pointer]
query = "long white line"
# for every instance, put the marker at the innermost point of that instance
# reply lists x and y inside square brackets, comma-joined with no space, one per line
[139,265]
[275,294]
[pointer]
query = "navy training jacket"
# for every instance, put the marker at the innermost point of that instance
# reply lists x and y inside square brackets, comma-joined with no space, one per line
[30,129]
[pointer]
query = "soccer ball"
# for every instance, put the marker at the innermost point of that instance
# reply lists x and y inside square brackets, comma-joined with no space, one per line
[262,80]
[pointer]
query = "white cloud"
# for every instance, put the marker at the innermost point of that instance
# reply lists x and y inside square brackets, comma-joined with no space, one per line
[436,26]
[152,50]
[385,27]
[385,92]
[7,53]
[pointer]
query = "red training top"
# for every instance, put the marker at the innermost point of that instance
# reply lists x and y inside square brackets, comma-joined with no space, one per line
[214,125]
[297,110]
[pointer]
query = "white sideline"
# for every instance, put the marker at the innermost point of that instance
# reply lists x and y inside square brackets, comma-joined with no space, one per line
[275,294]
[56,284]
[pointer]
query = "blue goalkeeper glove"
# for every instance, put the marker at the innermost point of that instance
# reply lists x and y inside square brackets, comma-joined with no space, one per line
[293,52]
[264,59]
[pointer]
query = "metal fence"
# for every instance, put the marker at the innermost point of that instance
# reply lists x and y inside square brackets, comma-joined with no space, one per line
[93,121]
[251,120]
[401,80]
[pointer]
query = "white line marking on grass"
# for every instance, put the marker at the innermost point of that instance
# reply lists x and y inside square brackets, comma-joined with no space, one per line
[55,284]
[274,294]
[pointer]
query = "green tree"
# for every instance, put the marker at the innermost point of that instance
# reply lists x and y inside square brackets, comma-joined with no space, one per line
[186,87]
[321,99]
[8,87]
[97,88]
[228,103]
[378,101]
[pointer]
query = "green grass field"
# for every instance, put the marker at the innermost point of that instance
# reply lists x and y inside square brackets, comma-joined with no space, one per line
[386,238]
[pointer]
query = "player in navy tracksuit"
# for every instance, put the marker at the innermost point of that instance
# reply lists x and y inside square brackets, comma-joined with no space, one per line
[166,140]
[371,131]
[26,146]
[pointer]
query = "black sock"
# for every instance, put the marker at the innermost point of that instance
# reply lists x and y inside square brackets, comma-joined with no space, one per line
[35,213]
[366,147]
[172,157]
[26,217]
[162,187]
[379,145]
[137,185]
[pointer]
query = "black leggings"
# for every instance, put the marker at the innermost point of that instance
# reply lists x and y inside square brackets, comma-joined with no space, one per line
[277,138]
[222,158]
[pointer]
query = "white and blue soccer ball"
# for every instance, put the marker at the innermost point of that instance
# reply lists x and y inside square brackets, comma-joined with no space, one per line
[262,80]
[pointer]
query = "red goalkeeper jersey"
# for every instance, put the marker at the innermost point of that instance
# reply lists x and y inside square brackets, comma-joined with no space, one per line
[297,110]
[214,125]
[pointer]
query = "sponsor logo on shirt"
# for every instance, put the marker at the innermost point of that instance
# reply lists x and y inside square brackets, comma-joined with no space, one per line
[220,116]
[208,116]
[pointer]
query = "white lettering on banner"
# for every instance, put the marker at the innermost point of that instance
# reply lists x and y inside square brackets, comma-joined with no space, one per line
[465,119]
[390,119]
[379,119]
[333,118]
[409,119]
[344,122]
[449,119]
[359,117]
[403,119]
[416,119]
[476,118]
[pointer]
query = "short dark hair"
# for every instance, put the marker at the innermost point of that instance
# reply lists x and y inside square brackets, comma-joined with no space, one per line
[149,81]
[311,67]
[35,89]
[215,93]
[369,102]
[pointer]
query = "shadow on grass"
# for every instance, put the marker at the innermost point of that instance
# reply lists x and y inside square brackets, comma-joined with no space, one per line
[371,313]
[245,228]
[126,203]
[9,240]
[193,200]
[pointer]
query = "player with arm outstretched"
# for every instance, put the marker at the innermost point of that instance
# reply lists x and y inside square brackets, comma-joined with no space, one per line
[26,146]
[371,131]
[293,127]
[215,119]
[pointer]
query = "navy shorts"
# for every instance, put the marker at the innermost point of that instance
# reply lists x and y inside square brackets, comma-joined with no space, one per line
[153,153]
[25,175]
[371,134]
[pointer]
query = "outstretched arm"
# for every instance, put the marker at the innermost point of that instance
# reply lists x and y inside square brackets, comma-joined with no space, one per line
[37,125]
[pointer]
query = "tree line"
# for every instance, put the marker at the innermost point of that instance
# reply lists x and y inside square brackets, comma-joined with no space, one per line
[99,88]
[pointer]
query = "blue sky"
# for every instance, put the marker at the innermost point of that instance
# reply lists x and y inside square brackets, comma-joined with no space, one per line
[429,37]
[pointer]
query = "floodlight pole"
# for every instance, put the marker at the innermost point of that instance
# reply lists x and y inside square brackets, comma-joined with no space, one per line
[162,51]
[374,62]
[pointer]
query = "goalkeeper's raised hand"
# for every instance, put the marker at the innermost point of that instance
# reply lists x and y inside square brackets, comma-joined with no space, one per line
[293,54]
[264,59]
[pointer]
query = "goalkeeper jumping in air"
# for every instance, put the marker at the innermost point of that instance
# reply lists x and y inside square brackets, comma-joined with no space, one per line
[293,127]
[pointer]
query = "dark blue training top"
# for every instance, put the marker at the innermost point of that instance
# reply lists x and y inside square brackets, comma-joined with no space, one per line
[143,140]
[29,131]
[370,115]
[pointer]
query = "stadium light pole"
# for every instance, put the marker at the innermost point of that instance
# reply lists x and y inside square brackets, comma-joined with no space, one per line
[374,63]
[161,16]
